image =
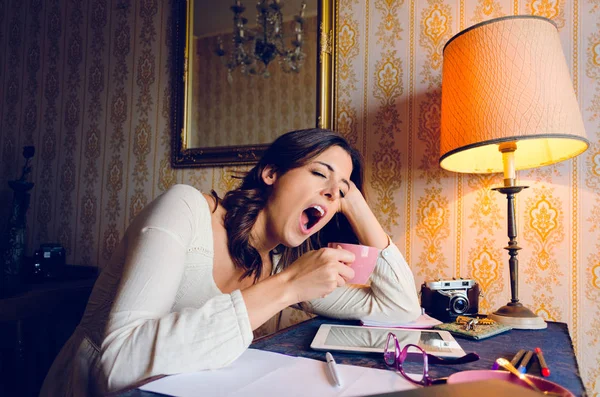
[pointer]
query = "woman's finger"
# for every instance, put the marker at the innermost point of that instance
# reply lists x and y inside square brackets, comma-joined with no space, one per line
[342,255]
[346,271]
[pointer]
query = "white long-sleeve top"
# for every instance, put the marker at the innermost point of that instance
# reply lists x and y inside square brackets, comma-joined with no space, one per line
[155,309]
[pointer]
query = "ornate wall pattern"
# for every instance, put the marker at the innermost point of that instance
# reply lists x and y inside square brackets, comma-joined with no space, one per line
[432,258]
[384,178]
[14,27]
[590,192]
[110,231]
[347,54]
[71,121]
[92,135]
[88,83]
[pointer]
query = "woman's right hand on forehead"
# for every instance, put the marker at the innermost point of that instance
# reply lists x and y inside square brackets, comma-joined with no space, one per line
[317,273]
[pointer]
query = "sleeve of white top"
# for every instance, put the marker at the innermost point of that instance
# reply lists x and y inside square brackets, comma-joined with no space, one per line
[391,296]
[143,337]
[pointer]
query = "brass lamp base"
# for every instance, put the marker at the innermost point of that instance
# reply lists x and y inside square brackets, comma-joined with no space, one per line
[518,316]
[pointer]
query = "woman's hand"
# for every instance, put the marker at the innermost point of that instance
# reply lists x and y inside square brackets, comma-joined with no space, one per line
[316,273]
[363,221]
[353,203]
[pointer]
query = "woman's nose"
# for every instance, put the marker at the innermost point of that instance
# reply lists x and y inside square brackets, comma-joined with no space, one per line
[331,192]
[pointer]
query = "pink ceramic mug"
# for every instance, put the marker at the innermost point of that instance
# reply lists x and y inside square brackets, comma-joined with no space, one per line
[484,374]
[365,258]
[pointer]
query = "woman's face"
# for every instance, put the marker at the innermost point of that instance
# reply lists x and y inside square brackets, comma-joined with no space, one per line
[304,199]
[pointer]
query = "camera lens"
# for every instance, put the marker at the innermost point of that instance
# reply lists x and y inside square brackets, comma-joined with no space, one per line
[459,304]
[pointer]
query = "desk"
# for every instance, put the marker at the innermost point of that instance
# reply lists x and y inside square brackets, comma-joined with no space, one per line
[554,341]
[33,327]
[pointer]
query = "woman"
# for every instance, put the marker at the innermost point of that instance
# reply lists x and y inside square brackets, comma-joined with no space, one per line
[194,275]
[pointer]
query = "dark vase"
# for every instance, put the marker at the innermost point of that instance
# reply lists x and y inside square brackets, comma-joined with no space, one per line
[13,252]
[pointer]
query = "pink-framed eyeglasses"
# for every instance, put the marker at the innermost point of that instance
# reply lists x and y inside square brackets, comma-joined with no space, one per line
[394,357]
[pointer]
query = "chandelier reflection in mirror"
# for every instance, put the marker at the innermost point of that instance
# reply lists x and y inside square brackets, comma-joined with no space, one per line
[255,48]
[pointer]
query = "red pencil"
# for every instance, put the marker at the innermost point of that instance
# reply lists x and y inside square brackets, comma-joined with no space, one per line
[540,356]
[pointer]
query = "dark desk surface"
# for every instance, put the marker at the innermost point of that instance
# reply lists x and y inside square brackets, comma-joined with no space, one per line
[554,341]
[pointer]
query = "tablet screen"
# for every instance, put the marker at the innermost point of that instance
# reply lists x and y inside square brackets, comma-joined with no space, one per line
[347,337]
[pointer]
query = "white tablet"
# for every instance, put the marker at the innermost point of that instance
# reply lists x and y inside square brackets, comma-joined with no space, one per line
[352,338]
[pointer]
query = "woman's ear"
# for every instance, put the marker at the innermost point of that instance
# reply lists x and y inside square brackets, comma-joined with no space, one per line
[269,176]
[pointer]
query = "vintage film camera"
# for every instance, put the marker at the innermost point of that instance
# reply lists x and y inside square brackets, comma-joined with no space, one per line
[447,299]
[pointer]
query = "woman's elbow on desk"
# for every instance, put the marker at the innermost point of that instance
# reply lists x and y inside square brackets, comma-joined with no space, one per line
[394,300]
[398,314]
[408,310]
[367,303]
[408,314]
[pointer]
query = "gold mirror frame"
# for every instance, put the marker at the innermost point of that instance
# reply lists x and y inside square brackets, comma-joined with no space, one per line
[186,157]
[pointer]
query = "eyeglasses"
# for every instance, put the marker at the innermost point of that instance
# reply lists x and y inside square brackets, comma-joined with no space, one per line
[395,357]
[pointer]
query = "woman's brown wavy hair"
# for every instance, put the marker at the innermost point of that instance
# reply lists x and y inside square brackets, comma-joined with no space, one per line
[291,150]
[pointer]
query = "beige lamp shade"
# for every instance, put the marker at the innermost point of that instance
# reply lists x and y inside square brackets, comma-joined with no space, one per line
[507,81]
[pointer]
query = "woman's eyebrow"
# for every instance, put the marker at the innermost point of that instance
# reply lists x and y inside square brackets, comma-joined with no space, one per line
[330,168]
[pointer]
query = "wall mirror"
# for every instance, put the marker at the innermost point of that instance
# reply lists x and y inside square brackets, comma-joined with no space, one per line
[227,106]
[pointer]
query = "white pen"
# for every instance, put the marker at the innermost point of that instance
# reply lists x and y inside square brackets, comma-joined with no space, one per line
[333,369]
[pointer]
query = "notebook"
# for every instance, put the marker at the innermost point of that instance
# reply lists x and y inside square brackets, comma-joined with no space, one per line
[262,373]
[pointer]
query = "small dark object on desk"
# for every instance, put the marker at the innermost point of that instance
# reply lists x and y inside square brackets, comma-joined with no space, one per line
[543,366]
[48,261]
[525,362]
[515,360]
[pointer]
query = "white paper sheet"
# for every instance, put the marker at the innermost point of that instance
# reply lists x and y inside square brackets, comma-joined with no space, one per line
[261,373]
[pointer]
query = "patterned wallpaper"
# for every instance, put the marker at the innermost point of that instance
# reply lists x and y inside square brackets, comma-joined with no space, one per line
[88,82]
[243,110]
[450,225]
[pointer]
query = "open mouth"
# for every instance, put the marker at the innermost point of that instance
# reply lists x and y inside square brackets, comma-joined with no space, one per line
[311,216]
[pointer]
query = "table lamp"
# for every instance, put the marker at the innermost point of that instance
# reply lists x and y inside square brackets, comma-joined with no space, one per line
[508,104]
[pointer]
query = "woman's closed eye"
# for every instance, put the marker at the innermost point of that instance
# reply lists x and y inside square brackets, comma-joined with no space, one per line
[319,174]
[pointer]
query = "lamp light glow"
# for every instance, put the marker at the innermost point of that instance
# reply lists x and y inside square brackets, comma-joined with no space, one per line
[508,104]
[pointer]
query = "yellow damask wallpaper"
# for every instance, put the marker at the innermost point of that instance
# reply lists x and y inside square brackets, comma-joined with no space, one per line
[88,82]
